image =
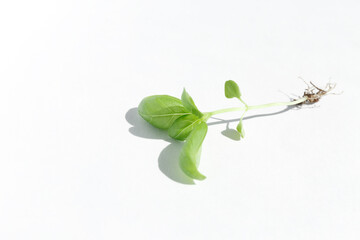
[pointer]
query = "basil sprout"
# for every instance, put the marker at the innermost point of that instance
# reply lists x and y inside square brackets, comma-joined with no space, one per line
[184,121]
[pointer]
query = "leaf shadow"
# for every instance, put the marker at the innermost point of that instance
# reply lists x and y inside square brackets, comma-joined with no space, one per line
[168,160]
[231,133]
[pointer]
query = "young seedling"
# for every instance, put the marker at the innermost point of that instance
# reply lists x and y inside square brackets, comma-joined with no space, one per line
[185,122]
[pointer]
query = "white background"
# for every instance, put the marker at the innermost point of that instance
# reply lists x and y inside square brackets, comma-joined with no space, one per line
[77,162]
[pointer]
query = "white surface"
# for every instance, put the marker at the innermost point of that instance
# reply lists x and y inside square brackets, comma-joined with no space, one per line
[76,162]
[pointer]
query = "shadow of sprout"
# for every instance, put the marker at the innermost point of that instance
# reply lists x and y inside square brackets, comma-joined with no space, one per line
[231,133]
[168,160]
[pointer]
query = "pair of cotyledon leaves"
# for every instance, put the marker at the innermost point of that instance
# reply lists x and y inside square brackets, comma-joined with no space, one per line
[183,121]
[232,91]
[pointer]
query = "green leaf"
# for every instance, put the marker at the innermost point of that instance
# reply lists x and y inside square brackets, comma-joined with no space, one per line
[161,110]
[191,151]
[189,104]
[232,89]
[183,126]
[240,129]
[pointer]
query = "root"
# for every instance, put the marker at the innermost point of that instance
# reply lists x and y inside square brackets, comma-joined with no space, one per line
[314,93]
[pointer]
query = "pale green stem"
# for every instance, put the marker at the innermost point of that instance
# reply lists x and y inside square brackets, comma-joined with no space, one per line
[243,102]
[257,106]
[242,116]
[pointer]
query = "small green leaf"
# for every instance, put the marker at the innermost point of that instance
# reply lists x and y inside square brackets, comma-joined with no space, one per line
[161,110]
[191,151]
[240,129]
[232,89]
[183,126]
[189,104]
